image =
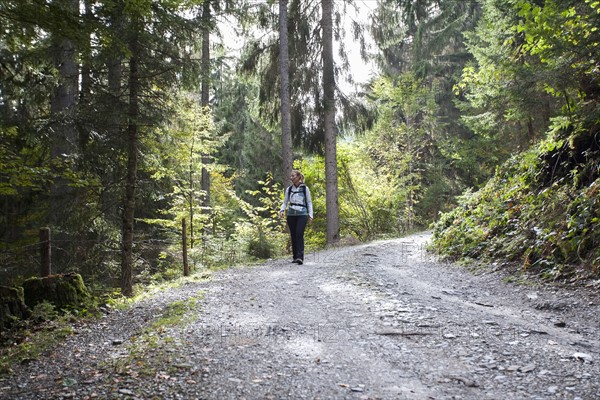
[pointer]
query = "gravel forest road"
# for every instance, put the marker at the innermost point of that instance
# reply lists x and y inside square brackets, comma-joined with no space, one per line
[382,320]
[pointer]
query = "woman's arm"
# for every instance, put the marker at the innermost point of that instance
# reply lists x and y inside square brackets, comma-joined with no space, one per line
[309,203]
[285,201]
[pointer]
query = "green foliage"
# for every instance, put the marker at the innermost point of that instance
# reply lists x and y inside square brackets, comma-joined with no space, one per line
[541,207]
[168,267]
[20,169]
[426,39]
[38,339]
[179,151]
[148,290]
[146,353]
[371,204]
[249,135]
[86,217]
[260,247]
[563,35]
[530,213]
[378,193]
[178,313]
[407,146]
[44,311]
[266,233]
[500,94]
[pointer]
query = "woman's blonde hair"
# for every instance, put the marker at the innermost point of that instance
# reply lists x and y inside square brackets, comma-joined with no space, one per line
[295,171]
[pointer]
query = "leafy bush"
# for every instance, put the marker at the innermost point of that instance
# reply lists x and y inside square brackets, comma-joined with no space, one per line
[44,311]
[260,247]
[530,213]
[542,207]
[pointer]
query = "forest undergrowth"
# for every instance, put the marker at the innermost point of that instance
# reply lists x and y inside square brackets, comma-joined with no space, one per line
[540,211]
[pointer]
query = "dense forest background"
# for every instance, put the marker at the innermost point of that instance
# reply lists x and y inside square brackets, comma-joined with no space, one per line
[120,120]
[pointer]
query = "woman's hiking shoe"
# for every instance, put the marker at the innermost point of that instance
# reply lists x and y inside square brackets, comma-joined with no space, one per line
[298,261]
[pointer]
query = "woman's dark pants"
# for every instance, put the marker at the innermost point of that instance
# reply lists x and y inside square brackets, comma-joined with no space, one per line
[297,224]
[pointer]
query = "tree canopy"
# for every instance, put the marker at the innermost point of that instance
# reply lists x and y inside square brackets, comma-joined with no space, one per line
[119,119]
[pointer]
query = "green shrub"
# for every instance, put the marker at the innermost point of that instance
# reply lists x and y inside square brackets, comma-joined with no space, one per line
[260,247]
[530,213]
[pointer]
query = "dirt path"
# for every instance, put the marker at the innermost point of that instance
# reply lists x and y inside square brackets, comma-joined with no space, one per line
[375,321]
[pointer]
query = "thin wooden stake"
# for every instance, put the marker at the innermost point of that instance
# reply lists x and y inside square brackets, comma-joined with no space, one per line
[46,264]
[186,267]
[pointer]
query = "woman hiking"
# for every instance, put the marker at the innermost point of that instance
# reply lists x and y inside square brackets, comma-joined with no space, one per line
[299,207]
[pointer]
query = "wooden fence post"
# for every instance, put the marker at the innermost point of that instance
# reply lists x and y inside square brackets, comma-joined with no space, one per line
[46,263]
[186,267]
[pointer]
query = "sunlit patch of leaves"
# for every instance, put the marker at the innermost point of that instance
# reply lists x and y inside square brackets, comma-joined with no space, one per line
[142,292]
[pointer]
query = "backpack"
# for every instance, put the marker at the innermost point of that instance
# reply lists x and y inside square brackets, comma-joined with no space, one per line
[303,188]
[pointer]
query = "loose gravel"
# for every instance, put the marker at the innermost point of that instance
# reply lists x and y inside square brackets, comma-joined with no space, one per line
[382,320]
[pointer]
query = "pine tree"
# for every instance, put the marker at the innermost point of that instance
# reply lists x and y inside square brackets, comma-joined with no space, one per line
[284,77]
[331,173]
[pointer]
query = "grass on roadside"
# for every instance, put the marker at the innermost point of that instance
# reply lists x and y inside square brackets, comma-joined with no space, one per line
[34,338]
[47,328]
[152,346]
[148,291]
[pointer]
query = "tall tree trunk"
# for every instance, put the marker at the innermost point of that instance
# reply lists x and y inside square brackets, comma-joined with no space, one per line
[115,70]
[62,208]
[284,79]
[132,139]
[64,96]
[85,95]
[116,100]
[191,195]
[331,175]
[205,100]
[205,74]
[62,107]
